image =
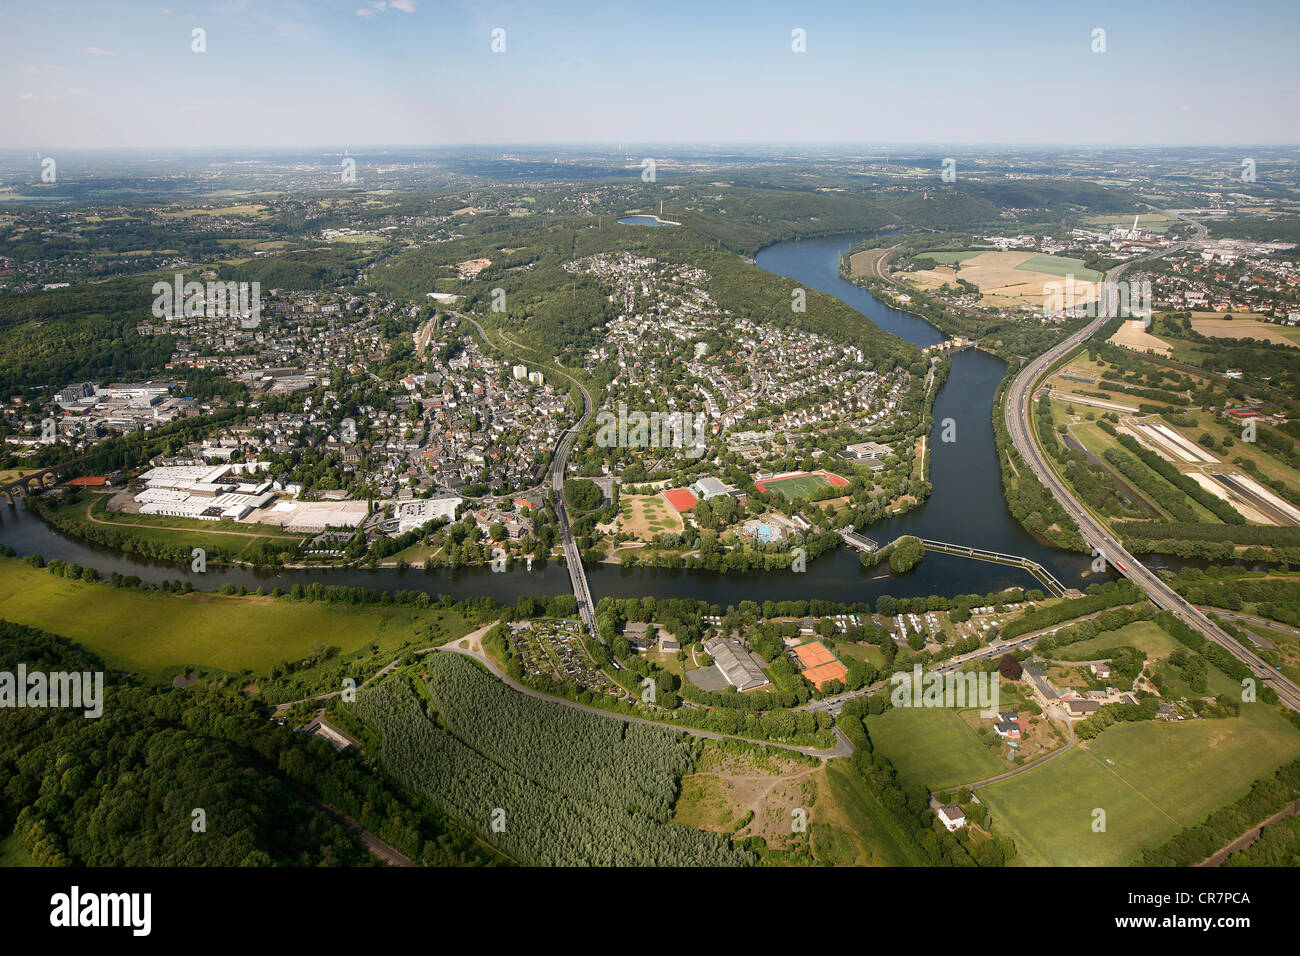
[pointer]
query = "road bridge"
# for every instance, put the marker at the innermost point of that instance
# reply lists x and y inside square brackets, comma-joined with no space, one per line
[559,463]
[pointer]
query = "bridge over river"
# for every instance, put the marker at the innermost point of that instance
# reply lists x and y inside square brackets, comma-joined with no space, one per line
[863,543]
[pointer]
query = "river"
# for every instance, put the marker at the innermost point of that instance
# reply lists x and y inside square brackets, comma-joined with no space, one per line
[966,507]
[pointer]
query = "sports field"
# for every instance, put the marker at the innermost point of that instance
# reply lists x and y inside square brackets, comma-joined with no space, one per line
[802,484]
[1151,778]
[681,498]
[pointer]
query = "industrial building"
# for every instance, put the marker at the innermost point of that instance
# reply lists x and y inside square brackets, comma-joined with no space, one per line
[736,663]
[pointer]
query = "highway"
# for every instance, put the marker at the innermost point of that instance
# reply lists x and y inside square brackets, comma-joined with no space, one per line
[1162,595]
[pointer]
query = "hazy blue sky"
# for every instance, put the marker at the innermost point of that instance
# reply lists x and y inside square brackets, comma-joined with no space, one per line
[296,72]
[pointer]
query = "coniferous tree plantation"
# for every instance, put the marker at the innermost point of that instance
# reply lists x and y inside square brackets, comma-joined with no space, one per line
[548,785]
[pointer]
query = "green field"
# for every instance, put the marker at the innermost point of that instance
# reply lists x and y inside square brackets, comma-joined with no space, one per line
[932,746]
[1153,641]
[1060,266]
[800,486]
[1147,637]
[158,634]
[948,256]
[861,652]
[1151,778]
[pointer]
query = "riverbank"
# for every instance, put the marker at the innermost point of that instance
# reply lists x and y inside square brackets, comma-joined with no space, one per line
[966,503]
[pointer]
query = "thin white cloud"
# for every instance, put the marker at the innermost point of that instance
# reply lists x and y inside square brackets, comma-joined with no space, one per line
[99,51]
[379,6]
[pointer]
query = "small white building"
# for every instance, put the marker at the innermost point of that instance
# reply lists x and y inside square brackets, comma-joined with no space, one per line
[952,817]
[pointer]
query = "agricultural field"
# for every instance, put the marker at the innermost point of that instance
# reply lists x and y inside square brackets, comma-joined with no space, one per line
[1134,335]
[546,784]
[864,263]
[949,256]
[158,634]
[1009,279]
[1151,778]
[1215,326]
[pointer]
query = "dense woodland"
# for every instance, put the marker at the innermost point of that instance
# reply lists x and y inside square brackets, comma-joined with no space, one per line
[121,790]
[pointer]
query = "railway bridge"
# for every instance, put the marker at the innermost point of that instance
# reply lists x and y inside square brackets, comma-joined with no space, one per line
[39,480]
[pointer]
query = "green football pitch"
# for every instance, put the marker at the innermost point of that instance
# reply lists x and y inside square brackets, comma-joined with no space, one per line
[800,486]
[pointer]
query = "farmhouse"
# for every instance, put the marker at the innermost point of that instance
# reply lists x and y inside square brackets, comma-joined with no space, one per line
[951,816]
[1040,686]
[1006,728]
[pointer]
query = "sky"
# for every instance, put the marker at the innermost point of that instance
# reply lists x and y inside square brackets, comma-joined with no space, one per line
[124,73]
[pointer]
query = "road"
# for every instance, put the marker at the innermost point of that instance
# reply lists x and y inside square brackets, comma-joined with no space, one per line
[1162,595]
[843,746]
[1252,619]
[559,463]
[833,705]
[377,847]
[1058,715]
[1249,837]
